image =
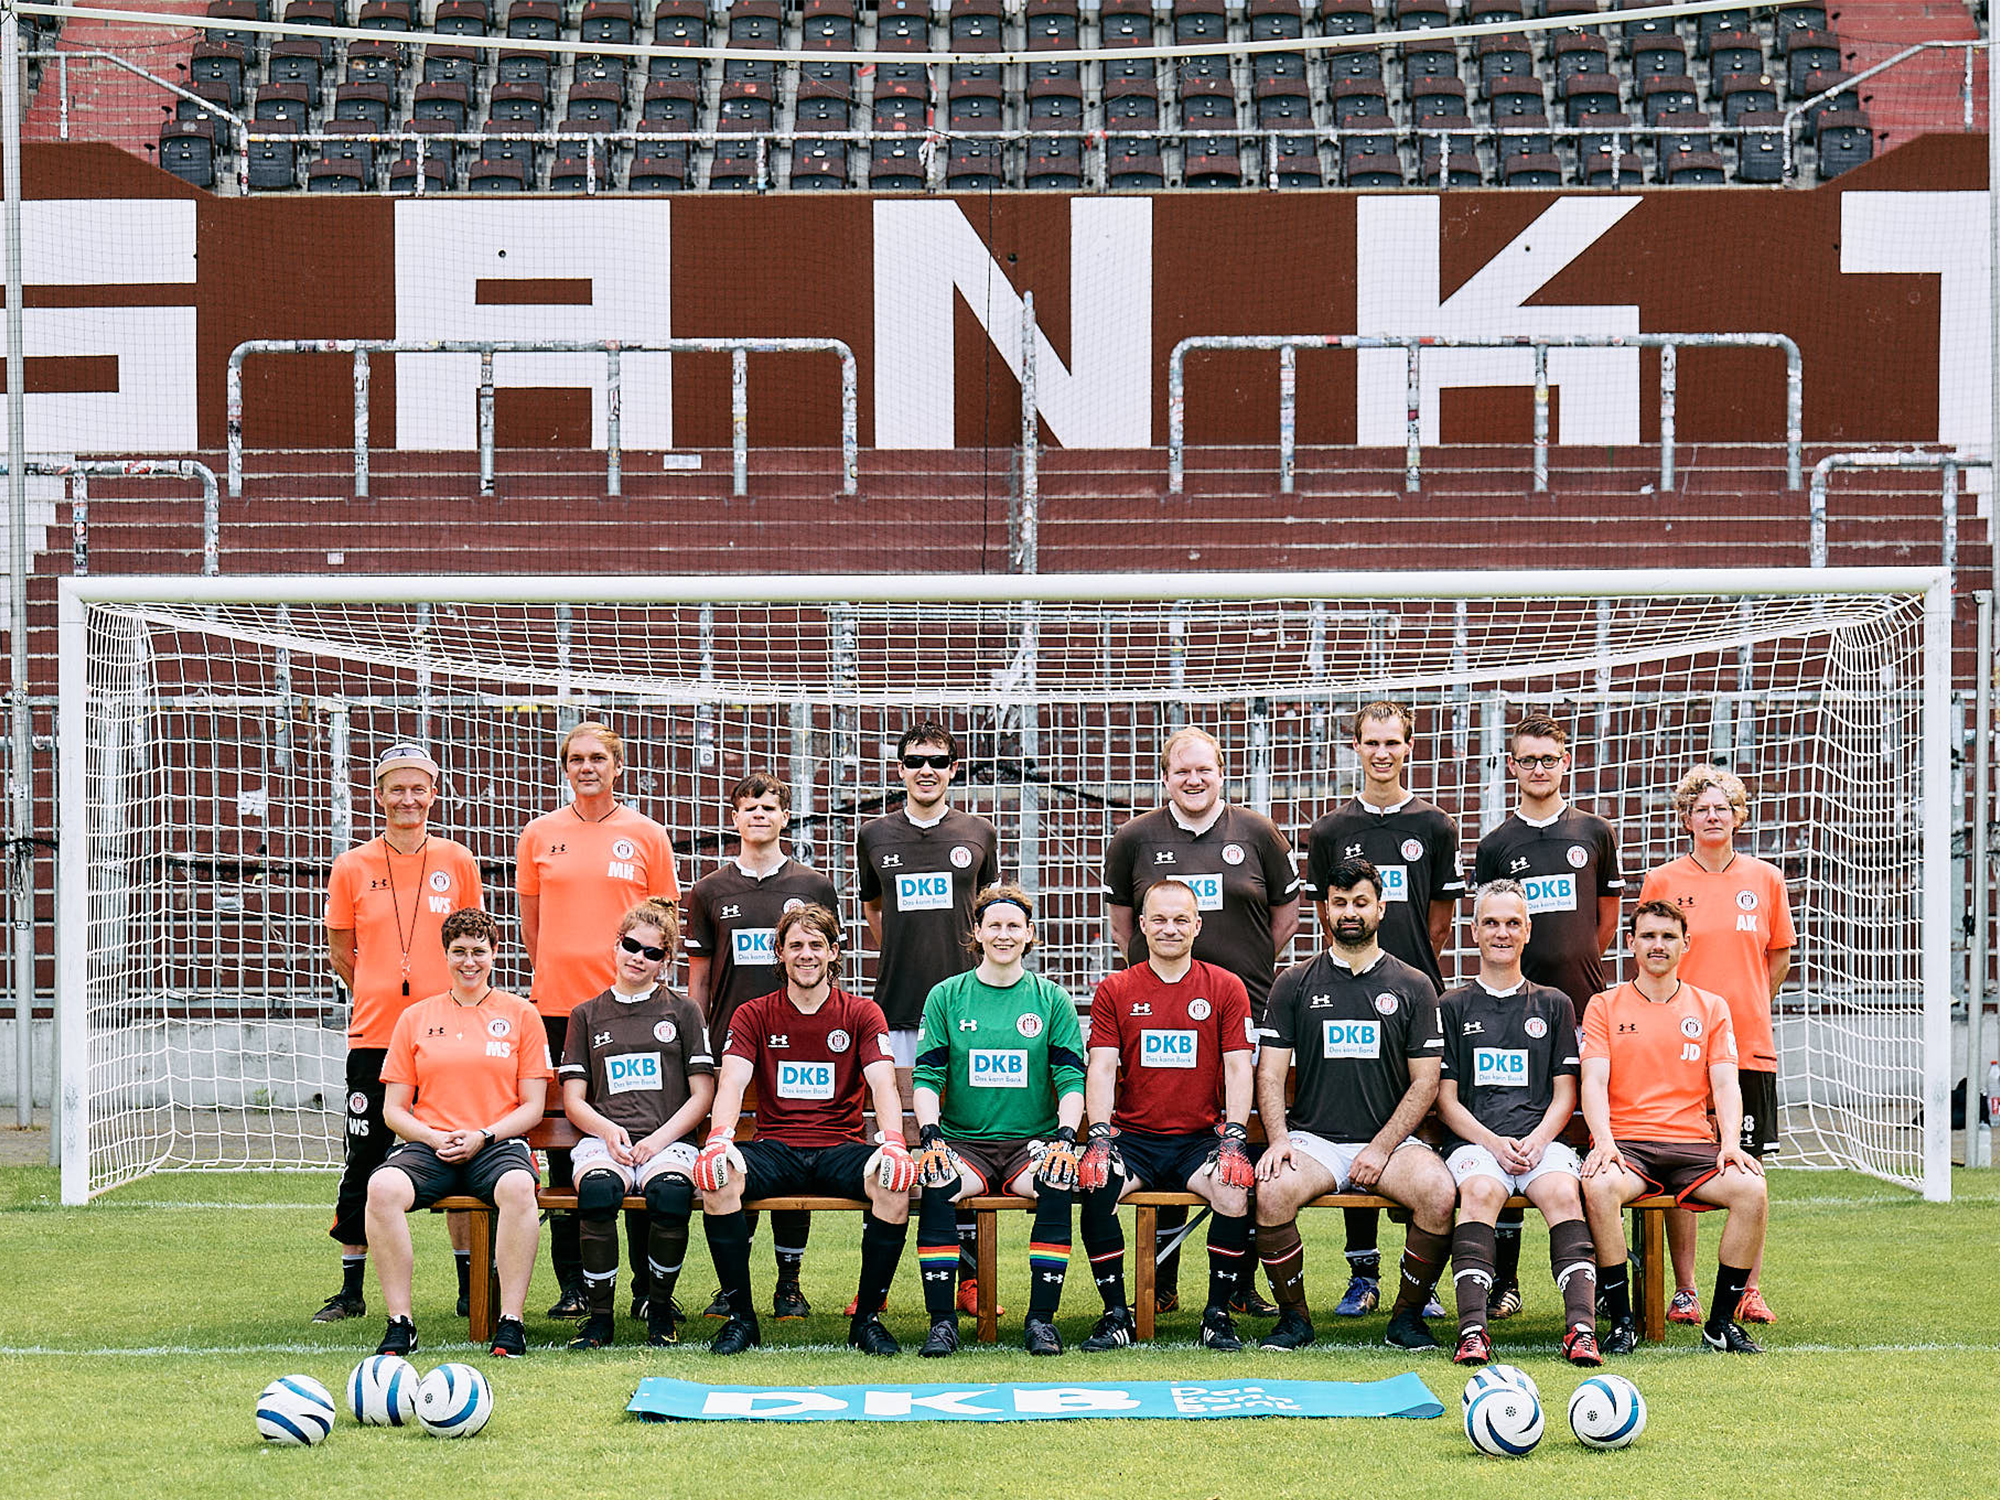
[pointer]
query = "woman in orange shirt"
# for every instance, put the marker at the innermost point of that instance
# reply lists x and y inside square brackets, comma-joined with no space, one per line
[467,1075]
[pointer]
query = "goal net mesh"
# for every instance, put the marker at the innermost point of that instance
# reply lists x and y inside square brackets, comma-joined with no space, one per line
[229,747]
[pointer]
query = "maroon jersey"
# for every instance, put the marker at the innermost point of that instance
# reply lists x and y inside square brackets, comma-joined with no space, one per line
[810,1091]
[1170,1040]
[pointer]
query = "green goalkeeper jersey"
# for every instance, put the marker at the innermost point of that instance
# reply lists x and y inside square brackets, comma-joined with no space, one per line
[999,1059]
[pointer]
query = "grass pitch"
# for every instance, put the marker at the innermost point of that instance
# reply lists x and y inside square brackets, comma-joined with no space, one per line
[136,1333]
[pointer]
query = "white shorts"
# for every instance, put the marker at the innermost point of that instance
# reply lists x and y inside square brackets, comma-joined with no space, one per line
[1477,1161]
[1337,1156]
[904,1045]
[592,1155]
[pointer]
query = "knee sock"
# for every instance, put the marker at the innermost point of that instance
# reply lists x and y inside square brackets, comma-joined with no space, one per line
[937,1251]
[565,1250]
[968,1243]
[598,1247]
[352,1269]
[1228,1259]
[1284,1258]
[881,1250]
[1167,1276]
[666,1250]
[1104,1242]
[1424,1255]
[729,1248]
[1364,1255]
[1048,1252]
[789,1232]
[463,1258]
[638,1234]
[1472,1272]
[1570,1258]
[1615,1282]
[1729,1284]
[1507,1247]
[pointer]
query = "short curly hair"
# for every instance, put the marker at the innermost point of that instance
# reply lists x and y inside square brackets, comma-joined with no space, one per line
[1700,780]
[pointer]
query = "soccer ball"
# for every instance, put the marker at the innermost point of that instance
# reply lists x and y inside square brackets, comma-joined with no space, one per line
[1607,1411]
[454,1401]
[295,1411]
[382,1391]
[1504,1422]
[1495,1376]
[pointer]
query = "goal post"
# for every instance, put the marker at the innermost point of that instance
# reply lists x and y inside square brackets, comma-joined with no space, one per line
[216,734]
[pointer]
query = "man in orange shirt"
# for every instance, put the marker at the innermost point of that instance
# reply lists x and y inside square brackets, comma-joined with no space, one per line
[468,1075]
[578,871]
[1656,1052]
[1740,940]
[385,907]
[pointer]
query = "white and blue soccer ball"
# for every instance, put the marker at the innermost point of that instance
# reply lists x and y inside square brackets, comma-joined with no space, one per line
[295,1411]
[1505,1421]
[1607,1411]
[1494,1376]
[454,1401]
[382,1391]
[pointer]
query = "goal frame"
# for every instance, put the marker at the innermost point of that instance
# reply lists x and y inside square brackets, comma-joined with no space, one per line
[75,595]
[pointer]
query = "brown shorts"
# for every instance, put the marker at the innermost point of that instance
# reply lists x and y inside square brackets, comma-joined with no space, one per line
[1675,1167]
[990,1165]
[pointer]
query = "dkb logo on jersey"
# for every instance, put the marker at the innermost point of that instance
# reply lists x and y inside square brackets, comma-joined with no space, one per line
[1167,1049]
[997,1068]
[633,1072]
[1207,891]
[1499,1068]
[923,893]
[1350,1039]
[754,945]
[805,1080]
[1395,882]
[1550,893]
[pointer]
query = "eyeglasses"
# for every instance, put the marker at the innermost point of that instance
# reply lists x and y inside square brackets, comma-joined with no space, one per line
[1538,762]
[939,762]
[633,945]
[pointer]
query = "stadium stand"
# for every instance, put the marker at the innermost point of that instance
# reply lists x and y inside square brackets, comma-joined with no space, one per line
[1266,120]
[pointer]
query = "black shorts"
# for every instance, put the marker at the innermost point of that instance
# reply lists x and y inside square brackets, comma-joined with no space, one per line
[435,1179]
[1164,1163]
[368,1141]
[1673,1167]
[1760,1112]
[772,1169]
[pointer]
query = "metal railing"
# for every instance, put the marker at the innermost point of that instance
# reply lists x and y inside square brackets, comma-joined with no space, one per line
[1966,93]
[63,57]
[738,349]
[1413,345]
[1950,463]
[79,471]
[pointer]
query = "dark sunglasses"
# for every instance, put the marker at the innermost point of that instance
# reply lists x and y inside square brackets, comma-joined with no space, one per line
[935,762]
[633,945]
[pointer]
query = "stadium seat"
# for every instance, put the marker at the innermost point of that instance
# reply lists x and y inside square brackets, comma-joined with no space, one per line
[1126,23]
[1053,26]
[1197,22]
[1601,171]
[534,21]
[273,164]
[362,101]
[1293,160]
[1734,54]
[1582,52]
[1659,97]
[1292,66]
[658,167]
[1714,23]
[1694,169]
[1532,139]
[581,154]
[360,152]
[525,106]
[535,69]
[283,101]
[1359,102]
[1421,15]
[460,18]
[606,68]
[1837,91]
[1433,59]
[403,175]
[237,10]
[297,63]
[187,149]
[505,145]
[336,176]
[451,65]
[1133,164]
[302,13]
[739,165]
[816,111]
[1744,94]
[1437,101]
[819,164]
[221,64]
[1659,55]
[1843,140]
[1517,98]
[1502,59]
[1600,134]
[1206,167]
[1055,104]
[1648,26]
[670,104]
[974,166]
[1346,17]
[974,106]
[746,106]
[1760,152]
[497,177]
[386,15]
[451,102]
[1806,53]
[1589,94]
[212,93]
[606,21]
[1055,165]
[376,62]
[1569,7]
[1795,18]
[1541,169]
[1495,12]
[596,102]
[678,23]
[901,114]
[1463,167]
[1371,162]
[1687,130]
[896,166]
[975,26]
[445,155]
[1132,104]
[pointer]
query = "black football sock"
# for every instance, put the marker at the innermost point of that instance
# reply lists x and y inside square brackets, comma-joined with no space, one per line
[937,1251]
[463,1258]
[1104,1242]
[1471,1272]
[1424,1255]
[566,1250]
[638,1235]
[1570,1258]
[1284,1257]
[967,1225]
[1615,1284]
[881,1251]
[1729,1284]
[1167,1275]
[1364,1254]
[790,1229]
[598,1246]
[1048,1252]
[354,1267]
[1507,1246]
[729,1248]
[666,1251]
[1228,1258]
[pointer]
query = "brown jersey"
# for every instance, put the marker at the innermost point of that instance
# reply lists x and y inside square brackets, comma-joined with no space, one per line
[637,1056]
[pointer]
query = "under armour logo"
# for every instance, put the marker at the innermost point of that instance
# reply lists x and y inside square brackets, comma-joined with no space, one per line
[559,848]
[1163,856]
[1628,1028]
[968,1025]
[1516,866]
[378,885]
[780,1039]
[600,1039]
[1684,901]
[1319,1002]
[1143,1008]
[892,861]
[433,1031]
[1352,851]
[730,911]
[1474,1028]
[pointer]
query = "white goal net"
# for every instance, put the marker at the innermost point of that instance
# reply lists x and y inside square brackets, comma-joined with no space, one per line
[217,735]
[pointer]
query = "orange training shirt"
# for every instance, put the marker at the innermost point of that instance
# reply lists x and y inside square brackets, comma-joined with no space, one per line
[467,1062]
[1735,919]
[588,875]
[1660,1053]
[396,903]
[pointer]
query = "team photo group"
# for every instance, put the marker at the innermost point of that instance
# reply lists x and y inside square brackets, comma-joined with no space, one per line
[1212,1065]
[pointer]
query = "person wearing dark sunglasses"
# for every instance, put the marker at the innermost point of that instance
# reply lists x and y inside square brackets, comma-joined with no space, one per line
[638,1077]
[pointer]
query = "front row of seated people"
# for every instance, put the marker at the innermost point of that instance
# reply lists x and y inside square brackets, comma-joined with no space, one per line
[1003,1081]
